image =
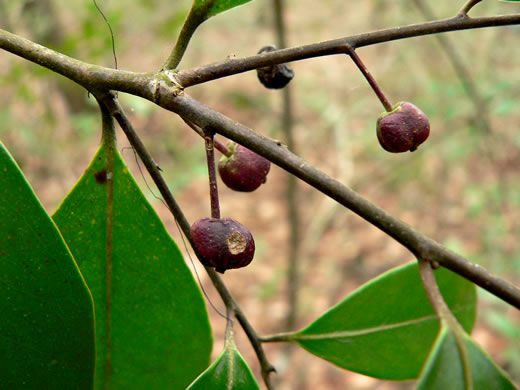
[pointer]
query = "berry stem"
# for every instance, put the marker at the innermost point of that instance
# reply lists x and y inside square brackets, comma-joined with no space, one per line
[218,145]
[373,83]
[213,190]
[222,148]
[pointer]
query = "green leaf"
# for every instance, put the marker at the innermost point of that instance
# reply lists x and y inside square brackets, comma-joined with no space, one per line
[152,326]
[210,8]
[443,370]
[47,325]
[229,371]
[386,328]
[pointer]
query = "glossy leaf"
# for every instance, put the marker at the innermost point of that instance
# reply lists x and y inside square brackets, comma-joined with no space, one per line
[443,369]
[386,328]
[210,8]
[229,371]
[47,325]
[152,325]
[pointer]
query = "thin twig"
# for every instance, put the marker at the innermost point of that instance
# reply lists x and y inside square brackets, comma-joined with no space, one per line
[266,367]
[162,89]
[153,169]
[465,9]
[155,87]
[94,77]
[195,18]
[188,29]
[230,67]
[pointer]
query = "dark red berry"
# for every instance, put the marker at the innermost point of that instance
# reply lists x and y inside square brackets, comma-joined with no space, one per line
[244,170]
[222,243]
[403,129]
[276,76]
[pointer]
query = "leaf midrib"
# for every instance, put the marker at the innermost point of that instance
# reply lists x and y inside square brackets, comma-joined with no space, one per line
[366,331]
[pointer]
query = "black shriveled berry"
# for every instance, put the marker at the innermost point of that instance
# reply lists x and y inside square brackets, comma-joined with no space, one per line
[403,129]
[275,76]
[222,243]
[244,170]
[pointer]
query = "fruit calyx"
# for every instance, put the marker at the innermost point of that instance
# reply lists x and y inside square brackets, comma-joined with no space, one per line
[222,243]
[243,170]
[403,129]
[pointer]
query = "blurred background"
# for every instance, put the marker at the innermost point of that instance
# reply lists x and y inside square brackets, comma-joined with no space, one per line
[461,188]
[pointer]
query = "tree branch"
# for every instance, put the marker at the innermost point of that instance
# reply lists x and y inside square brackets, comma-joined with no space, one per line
[92,77]
[163,88]
[206,73]
[145,85]
[251,334]
[153,169]
[420,245]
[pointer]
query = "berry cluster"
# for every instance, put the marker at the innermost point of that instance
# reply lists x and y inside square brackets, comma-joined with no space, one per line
[224,243]
[227,244]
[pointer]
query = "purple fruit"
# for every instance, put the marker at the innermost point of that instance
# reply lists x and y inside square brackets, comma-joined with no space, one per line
[275,76]
[244,170]
[222,243]
[403,129]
